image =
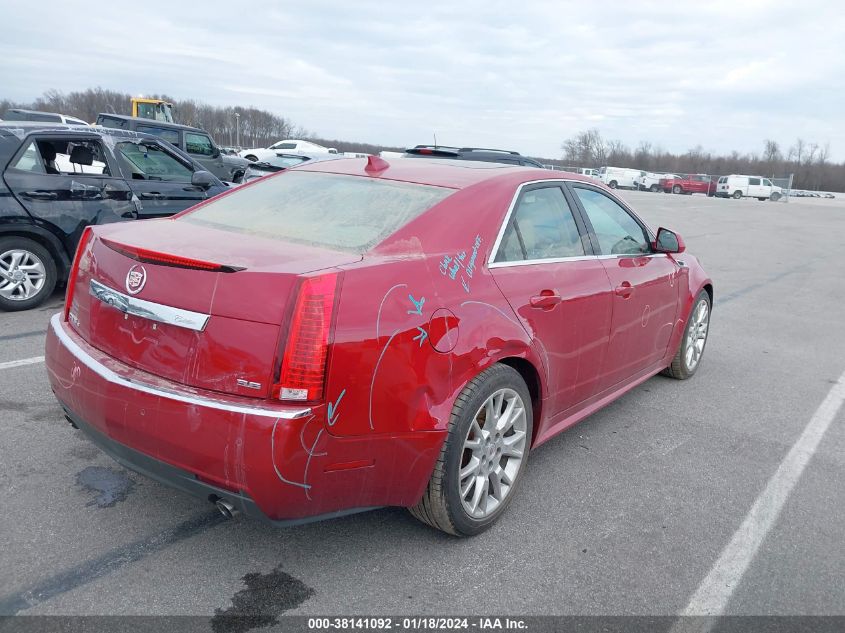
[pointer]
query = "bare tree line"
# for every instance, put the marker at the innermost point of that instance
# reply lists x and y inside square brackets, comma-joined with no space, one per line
[258,128]
[808,161]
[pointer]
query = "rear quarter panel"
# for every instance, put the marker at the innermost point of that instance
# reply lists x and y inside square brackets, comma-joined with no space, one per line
[413,328]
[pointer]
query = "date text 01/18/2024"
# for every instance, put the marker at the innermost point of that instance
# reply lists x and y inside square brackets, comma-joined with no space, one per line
[420,623]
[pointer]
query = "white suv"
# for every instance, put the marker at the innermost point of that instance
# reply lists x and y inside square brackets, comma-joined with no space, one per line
[737,186]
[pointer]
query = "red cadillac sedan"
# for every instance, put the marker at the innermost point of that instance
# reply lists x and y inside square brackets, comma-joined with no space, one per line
[356,333]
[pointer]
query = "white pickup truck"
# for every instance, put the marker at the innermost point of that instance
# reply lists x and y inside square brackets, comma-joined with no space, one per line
[650,181]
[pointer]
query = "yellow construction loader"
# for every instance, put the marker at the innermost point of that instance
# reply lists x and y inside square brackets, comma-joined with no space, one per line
[155,109]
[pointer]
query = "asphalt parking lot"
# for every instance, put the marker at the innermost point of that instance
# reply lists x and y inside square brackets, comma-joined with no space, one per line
[625,513]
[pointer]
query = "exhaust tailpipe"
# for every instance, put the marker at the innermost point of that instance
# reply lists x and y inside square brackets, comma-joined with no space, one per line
[226,508]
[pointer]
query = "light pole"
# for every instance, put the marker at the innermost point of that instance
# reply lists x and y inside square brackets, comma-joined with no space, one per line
[238,130]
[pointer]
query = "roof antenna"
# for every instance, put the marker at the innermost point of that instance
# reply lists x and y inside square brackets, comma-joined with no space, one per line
[435,140]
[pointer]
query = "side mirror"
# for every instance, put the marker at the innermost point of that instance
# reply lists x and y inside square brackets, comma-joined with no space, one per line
[202,179]
[668,242]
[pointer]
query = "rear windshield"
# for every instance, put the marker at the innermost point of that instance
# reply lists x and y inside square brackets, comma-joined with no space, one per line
[350,213]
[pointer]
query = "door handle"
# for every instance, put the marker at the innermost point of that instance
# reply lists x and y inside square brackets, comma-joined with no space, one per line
[41,195]
[625,289]
[150,195]
[546,300]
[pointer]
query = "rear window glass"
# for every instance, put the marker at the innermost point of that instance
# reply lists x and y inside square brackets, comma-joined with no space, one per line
[351,213]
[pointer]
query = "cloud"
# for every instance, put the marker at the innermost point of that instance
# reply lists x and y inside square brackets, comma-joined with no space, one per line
[522,76]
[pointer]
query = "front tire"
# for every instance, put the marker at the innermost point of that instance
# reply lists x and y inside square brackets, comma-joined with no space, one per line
[737,194]
[775,197]
[613,184]
[27,274]
[483,457]
[688,357]
[677,189]
[654,189]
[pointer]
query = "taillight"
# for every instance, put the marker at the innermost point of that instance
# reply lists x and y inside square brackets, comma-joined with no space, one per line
[303,371]
[84,241]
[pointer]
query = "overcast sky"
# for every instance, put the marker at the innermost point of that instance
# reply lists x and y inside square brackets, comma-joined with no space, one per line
[509,74]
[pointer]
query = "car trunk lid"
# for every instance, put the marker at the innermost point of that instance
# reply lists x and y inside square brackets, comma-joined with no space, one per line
[200,306]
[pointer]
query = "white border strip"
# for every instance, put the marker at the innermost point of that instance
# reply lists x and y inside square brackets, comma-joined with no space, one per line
[715,591]
[22,362]
[107,374]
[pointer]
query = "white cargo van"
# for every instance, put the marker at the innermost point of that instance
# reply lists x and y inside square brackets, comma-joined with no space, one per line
[615,177]
[650,181]
[584,171]
[738,186]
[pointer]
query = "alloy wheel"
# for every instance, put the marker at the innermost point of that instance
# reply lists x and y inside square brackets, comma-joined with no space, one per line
[697,334]
[22,275]
[493,453]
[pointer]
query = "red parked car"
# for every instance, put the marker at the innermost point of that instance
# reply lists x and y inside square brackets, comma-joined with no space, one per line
[356,333]
[689,184]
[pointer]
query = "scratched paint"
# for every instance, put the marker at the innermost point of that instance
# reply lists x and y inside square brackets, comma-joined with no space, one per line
[452,265]
[418,305]
[421,336]
[332,414]
[299,484]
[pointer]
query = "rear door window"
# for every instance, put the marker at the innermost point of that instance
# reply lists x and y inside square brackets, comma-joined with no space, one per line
[541,227]
[753,181]
[351,213]
[30,160]
[57,156]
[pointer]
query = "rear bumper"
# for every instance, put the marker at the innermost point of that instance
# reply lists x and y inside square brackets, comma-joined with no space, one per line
[270,461]
[185,481]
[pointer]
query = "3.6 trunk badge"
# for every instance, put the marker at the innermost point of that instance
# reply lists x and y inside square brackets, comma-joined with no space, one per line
[135,279]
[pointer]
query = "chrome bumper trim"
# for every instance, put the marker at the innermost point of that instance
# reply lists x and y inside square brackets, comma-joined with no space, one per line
[148,310]
[107,374]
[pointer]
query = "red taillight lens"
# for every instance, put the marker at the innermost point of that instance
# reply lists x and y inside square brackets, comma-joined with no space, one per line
[165,259]
[304,363]
[84,242]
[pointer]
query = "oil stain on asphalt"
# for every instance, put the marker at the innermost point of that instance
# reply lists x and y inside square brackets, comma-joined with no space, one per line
[266,596]
[111,486]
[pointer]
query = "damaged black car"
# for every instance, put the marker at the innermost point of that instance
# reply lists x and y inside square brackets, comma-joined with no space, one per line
[57,180]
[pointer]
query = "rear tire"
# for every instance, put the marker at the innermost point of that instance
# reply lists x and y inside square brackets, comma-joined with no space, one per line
[29,274]
[677,189]
[737,194]
[688,357]
[479,434]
